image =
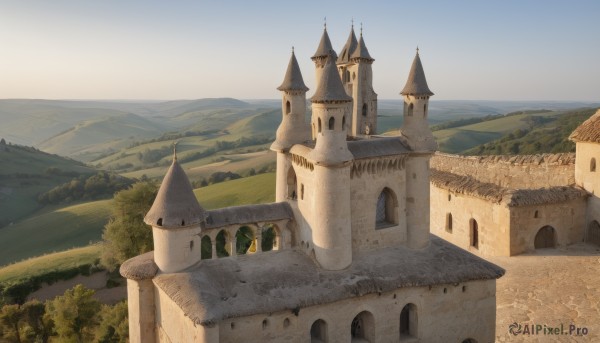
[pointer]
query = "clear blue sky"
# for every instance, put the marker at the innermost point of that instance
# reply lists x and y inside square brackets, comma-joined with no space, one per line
[116,49]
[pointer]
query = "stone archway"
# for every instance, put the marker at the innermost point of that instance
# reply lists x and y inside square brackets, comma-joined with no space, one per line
[593,235]
[545,238]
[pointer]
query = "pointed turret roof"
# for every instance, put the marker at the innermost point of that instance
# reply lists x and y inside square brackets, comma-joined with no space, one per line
[361,50]
[325,46]
[416,83]
[349,48]
[330,88]
[175,205]
[293,77]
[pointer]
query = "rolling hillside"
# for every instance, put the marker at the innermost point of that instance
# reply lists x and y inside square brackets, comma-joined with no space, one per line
[79,225]
[27,172]
[89,138]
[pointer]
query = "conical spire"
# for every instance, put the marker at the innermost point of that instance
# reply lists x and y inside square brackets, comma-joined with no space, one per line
[330,88]
[348,48]
[361,50]
[325,46]
[175,205]
[416,83]
[293,77]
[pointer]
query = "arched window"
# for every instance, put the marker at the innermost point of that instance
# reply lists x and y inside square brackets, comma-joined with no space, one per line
[347,76]
[425,110]
[593,235]
[364,110]
[343,123]
[408,322]
[288,107]
[206,248]
[410,110]
[536,214]
[449,222]
[545,238]
[331,123]
[593,165]
[222,241]
[474,229]
[318,331]
[362,328]
[291,184]
[269,238]
[385,212]
[244,241]
[319,125]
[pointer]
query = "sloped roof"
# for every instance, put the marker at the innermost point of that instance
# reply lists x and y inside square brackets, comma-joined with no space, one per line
[588,131]
[378,146]
[249,214]
[348,48]
[175,205]
[218,289]
[293,77]
[330,88]
[416,83]
[361,50]
[141,267]
[463,184]
[325,47]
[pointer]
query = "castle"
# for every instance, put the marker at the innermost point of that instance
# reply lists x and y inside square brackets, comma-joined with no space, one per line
[345,252]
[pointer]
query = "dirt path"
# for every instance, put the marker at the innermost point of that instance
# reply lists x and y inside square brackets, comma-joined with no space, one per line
[550,287]
[96,281]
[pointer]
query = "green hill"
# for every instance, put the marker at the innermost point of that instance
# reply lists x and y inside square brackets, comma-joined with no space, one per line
[549,137]
[54,230]
[26,172]
[77,225]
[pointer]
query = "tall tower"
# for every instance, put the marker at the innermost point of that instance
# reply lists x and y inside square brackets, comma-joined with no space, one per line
[415,128]
[293,128]
[176,218]
[330,220]
[320,57]
[354,65]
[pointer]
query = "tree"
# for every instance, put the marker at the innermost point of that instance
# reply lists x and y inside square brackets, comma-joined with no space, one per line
[40,324]
[10,317]
[75,314]
[126,235]
[114,326]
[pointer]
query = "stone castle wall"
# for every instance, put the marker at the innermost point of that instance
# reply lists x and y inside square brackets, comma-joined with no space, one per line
[523,171]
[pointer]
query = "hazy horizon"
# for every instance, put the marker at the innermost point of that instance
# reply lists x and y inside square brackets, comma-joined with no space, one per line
[151,50]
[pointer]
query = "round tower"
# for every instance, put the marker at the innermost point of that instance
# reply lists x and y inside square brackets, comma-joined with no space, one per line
[176,218]
[293,128]
[320,57]
[330,220]
[416,129]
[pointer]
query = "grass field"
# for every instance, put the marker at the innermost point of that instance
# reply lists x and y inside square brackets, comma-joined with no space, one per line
[57,230]
[249,190]
[51,262]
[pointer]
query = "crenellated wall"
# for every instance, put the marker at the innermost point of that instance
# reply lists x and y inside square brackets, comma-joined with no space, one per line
[523,171]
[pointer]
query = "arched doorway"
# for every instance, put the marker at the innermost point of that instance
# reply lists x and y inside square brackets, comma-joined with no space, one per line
[545,238]
[291,184]
[318,332]
[362,328]
[593,235]
[408,321]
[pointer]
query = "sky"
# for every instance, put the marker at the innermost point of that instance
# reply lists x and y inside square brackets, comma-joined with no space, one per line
[164,50]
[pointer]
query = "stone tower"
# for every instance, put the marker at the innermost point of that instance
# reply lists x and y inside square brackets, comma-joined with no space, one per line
[330,221]
[293,128]
[415,128]
[176,218]
[320,57]
[354,66]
